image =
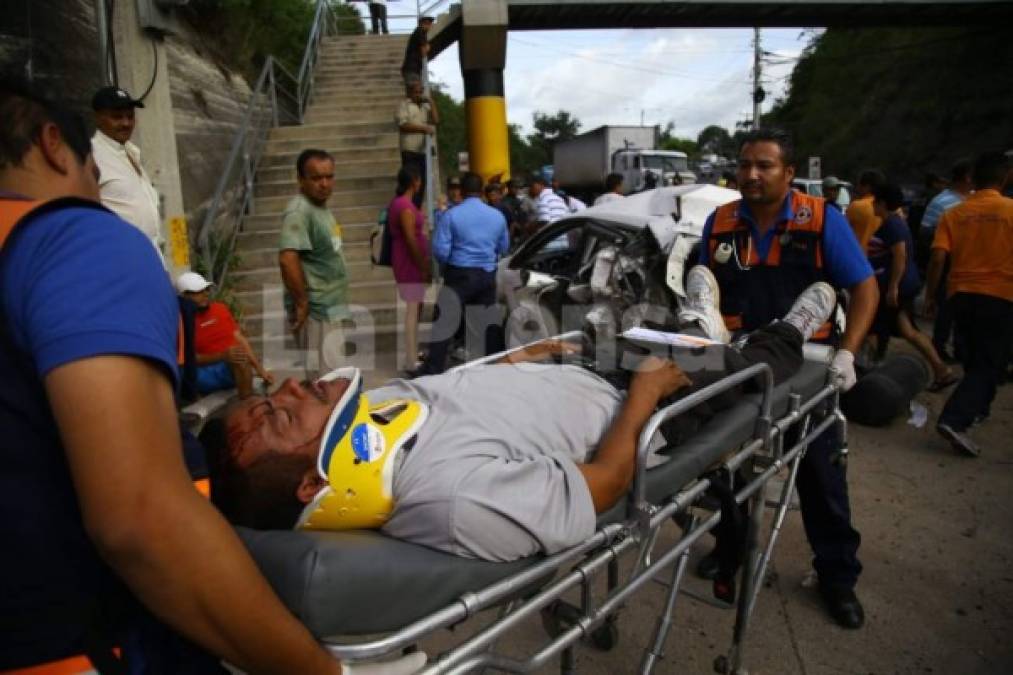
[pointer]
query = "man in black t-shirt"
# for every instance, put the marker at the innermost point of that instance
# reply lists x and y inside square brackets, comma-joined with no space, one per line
[416,51]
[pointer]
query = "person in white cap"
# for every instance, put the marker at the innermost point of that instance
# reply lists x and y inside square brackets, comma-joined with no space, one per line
[225,358]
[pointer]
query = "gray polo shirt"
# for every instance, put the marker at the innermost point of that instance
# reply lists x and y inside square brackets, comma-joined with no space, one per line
[493,474]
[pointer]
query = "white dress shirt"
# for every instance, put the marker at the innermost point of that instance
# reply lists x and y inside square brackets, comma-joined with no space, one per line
[608,197]
[125,187]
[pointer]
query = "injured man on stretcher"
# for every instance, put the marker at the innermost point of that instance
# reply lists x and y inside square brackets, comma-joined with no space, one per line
[496,461]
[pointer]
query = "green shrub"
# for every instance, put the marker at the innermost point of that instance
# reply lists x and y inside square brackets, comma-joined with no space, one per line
[243,33]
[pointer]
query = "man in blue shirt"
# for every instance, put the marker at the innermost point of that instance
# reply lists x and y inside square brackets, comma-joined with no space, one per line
[468,240]
[95,501]
[764,250]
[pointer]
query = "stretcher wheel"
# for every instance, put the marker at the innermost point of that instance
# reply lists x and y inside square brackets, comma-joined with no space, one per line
[605,637]
[558,616]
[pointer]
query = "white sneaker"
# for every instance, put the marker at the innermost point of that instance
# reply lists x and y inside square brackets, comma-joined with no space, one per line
[812,309]
[703,303]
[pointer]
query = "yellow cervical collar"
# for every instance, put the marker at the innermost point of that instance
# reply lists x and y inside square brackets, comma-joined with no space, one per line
[357,455]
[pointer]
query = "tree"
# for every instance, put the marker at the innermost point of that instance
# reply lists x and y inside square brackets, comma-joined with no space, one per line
[347,19]
[686,145]
[549,130]
[245,32]
[522,156]
[925,98]
[715,140]
[669,141]
[452,136]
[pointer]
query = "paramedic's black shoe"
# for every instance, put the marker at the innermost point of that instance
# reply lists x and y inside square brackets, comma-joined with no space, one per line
[843,605]
[707,567]
[702,304]
[812,309]
[959,440]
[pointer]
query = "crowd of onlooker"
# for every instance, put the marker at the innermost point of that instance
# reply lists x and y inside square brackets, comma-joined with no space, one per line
[945,258]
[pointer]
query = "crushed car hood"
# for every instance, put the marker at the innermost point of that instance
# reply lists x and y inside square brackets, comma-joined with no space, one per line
[654,209]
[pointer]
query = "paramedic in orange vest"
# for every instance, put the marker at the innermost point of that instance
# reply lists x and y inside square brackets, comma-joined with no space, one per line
[764,250]
[95,502]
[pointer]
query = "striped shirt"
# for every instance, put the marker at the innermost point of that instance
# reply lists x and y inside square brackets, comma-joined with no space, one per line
[551,206]
[942,202]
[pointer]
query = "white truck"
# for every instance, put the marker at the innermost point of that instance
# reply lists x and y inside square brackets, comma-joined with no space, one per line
[582,163]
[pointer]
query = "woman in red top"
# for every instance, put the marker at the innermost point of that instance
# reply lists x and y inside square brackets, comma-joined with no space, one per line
[409,256]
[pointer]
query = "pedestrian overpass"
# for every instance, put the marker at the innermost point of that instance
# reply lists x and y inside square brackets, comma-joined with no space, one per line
[480,27]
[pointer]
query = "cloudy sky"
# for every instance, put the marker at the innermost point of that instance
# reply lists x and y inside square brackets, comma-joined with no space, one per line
[692,77]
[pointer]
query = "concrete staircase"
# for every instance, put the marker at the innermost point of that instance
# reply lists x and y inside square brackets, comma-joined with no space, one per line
[358,87]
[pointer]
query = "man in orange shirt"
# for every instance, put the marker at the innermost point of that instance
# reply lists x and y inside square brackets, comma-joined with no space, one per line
[860,214]
[224,356]
[977,237]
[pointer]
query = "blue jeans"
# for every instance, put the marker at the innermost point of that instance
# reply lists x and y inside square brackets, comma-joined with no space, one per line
[214,377]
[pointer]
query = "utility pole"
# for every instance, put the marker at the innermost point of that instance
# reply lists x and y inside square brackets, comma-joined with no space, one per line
[758,92]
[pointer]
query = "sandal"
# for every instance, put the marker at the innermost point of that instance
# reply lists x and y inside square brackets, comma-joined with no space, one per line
[940,383]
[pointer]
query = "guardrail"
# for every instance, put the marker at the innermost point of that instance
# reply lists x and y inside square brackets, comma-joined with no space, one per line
[278,97]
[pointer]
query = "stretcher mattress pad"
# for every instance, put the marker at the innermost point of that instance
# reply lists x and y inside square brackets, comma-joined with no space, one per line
[363,582]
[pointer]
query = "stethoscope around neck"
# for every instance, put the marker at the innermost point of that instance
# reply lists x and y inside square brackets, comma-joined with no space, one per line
[726,251]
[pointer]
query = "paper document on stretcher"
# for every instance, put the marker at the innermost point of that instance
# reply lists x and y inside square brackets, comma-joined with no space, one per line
[672,339]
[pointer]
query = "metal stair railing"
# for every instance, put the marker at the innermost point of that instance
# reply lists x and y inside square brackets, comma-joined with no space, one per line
[277,98]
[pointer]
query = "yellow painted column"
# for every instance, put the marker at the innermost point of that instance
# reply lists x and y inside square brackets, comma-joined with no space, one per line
[485,107]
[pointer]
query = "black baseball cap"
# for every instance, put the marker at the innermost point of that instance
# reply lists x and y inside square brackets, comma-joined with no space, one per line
[113,98]
[454,181]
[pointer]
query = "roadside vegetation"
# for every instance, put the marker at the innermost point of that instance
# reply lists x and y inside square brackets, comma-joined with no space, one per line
[242,33]
[903,99]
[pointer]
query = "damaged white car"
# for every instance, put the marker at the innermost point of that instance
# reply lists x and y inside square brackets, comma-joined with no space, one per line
[609,267]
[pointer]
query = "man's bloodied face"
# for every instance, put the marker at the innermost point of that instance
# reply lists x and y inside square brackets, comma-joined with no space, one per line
[289,421]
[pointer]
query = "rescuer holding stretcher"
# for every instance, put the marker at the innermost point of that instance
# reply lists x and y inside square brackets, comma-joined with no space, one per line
[764,250]
[97,512]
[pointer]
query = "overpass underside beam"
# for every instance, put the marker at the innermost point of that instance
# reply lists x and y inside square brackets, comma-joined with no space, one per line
[567,14]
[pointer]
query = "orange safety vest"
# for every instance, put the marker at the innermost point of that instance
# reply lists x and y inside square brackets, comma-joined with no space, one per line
[755,292]
[12,212]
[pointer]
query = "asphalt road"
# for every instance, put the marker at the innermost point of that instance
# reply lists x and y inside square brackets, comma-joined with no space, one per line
[937,585]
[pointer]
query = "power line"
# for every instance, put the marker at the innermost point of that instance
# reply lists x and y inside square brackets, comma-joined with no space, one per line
[625,66]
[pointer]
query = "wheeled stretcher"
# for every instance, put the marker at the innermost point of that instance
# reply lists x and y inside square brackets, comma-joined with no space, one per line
[366,595]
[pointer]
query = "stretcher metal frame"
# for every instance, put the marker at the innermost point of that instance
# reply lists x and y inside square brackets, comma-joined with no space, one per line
[762,456]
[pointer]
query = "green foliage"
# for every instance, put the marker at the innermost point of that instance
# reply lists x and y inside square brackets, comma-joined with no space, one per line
[246,32]
[716,140]
[347,18]
[452,136]
[682,145]
[223,262]
[669,141]
[906,100]
[524,157]
[549,130]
